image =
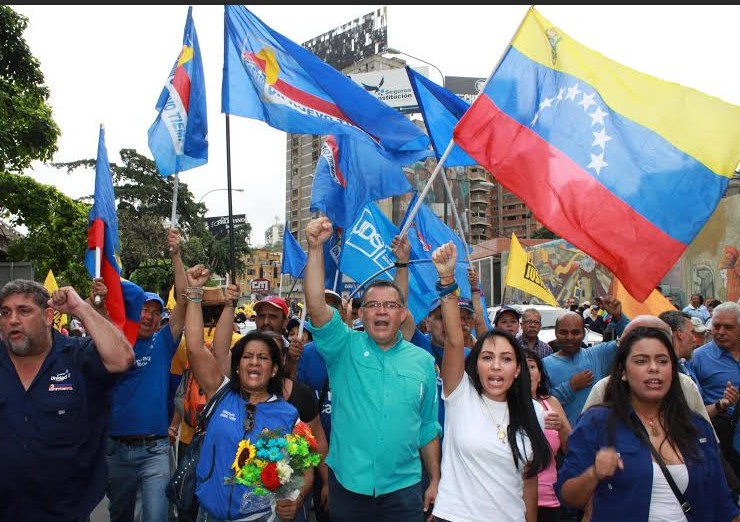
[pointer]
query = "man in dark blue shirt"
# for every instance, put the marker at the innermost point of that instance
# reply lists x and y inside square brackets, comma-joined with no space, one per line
[54,402]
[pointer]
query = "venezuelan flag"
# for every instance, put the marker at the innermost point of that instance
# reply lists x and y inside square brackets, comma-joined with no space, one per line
[625,166]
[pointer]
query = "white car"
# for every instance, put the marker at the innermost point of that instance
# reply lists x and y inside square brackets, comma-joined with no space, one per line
[549,316]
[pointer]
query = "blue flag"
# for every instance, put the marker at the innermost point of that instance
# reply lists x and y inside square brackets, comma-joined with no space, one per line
[271,78]
[178,138]
[294,258]
[441,110]
[425,234]
[351,173]
[366,252]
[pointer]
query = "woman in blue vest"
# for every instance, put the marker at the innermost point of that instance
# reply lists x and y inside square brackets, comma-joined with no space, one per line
[254,402]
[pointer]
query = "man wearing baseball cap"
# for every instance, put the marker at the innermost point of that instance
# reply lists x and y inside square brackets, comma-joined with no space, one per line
[139,446]
[272,314]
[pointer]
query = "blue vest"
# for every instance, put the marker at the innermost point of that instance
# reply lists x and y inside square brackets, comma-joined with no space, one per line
[225,430]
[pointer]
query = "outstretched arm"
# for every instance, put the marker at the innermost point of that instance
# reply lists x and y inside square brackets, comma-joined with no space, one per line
[480,322]
[317,233]
[202,362]
[453,360]
[401,248]
[221,345]
[177,315]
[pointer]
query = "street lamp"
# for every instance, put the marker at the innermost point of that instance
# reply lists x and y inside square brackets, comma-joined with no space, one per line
[217,189]
[392,50]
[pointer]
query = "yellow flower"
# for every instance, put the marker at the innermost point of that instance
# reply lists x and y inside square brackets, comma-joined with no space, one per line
[244,453]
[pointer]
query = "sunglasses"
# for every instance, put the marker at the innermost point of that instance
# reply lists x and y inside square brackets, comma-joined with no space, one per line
[251,409]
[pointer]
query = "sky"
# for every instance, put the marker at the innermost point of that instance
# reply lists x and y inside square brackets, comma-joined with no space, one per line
[108,64]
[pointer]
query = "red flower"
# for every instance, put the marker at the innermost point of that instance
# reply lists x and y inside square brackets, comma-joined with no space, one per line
[304,430]
[269,477]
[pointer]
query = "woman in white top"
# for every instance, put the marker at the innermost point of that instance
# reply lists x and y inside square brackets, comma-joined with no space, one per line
[494,445]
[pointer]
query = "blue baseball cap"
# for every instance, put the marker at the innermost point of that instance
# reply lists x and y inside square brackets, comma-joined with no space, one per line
[462,303]
[151,296]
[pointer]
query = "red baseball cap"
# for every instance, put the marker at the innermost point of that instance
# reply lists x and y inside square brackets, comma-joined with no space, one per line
[277,302]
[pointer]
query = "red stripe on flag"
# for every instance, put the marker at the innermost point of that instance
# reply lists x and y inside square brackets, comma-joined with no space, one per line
[181,83]
[570,202]
[96,234]
[114,298]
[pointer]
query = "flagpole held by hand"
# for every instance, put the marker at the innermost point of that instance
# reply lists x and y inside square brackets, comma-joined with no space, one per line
[98,255]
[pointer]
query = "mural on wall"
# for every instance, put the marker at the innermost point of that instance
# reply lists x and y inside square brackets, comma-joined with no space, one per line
[566,271]
[710,266]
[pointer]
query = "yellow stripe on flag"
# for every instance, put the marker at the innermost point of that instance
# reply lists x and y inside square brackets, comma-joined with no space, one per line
[50,283]
[655,304]
[522,274]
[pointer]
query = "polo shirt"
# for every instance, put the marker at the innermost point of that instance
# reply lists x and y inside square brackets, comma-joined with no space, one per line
[52,436]
[141,397]
[713,367]
[384,408]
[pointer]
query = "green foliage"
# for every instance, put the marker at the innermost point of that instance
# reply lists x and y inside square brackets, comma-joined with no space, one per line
[144,201]
[57,229]
[27,130]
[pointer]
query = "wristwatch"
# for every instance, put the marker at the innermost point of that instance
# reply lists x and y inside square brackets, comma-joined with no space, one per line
[718,405]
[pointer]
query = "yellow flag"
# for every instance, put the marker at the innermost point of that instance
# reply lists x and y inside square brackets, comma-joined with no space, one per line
[50,283]
[171,299]
[522,274]
[655,304]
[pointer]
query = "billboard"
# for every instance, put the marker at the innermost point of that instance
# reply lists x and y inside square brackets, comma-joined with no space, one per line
[465,87]
[352,42]
[219,225]
[391,86]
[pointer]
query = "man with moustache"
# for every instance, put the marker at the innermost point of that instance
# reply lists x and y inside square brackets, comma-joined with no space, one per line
[54,400]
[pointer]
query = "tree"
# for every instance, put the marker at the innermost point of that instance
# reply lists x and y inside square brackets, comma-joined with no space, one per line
[27,130]
[144,202]
[57,229]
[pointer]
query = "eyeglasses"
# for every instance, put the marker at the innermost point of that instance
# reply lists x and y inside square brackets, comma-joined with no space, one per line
[388,305]
[533,322]
[251,409]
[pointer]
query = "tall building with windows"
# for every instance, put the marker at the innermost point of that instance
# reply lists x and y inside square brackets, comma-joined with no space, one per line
[274,234]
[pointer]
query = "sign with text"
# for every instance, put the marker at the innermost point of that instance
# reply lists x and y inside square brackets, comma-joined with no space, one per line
[259,286]
[219,225]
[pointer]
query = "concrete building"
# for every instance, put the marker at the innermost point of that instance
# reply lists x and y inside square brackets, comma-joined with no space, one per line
[274,234]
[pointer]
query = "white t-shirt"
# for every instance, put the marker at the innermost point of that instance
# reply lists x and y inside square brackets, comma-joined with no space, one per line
[479,482]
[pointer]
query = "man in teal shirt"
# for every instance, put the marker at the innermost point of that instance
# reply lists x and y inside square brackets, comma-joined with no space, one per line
[384,401]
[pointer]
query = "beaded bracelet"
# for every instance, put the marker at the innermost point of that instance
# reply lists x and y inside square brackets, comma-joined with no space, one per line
[193,299]
[198,290]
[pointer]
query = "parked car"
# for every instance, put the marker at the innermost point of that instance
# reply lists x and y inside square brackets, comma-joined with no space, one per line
[549,316]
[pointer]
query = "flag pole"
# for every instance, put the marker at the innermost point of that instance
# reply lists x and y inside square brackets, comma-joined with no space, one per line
[426,189]
[232,250]
[173,217]
[458,223]
[451,144]
[280,285]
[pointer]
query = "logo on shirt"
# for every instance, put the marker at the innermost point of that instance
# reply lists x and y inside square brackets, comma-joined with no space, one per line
[60,387]
[66,374]
[143,361]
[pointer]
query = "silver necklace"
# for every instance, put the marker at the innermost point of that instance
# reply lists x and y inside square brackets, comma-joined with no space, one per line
[501,425]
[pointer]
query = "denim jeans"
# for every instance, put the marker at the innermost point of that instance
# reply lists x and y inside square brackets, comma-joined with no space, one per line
[402,505]
[131,468]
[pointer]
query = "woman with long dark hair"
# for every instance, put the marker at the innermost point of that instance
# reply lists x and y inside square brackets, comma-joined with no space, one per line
[616,450]
[494,445]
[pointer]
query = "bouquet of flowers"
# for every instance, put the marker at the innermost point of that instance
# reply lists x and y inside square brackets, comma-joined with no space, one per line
[275,462]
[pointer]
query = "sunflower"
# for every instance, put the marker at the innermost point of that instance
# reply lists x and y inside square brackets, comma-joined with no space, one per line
[244,453]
